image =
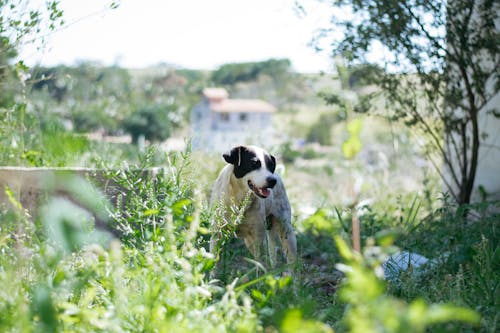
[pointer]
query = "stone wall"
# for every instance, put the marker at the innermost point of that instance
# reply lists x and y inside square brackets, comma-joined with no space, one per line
[32,186]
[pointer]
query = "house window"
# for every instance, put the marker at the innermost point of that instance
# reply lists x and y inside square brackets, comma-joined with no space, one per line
[243,117]
[224,117]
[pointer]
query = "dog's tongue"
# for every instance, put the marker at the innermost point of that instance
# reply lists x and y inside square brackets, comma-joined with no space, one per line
[265,192]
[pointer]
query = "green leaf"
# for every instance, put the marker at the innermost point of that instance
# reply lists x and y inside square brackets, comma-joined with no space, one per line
[149,212]
[293,322]
[354,127]
[180,206]
[446,312]
[21,67]
[351,147]
[343,248]
[12,199]
[42,306]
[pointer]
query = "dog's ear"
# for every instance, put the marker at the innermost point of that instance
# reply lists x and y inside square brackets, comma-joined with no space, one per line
[233,156]
[272,167]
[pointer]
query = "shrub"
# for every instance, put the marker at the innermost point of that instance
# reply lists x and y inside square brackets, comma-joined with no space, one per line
[321,130]
[153,281]
[152,121]
[371,310]
[287,153]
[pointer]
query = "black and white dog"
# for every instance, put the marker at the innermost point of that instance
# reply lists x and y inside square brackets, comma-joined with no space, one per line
[249,175]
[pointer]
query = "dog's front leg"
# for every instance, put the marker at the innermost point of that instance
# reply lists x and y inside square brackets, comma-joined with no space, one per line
[272,248]
[283,229]
[254,244]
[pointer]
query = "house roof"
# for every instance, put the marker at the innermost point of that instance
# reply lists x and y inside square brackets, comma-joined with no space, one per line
[219,102]
[242,105]
[215,93]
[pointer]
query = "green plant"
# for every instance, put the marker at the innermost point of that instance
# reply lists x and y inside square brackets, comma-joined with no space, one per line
[287,153]
[464,256]
[148,196]
[371,310]
[70,282]
[321,130]
[153,122]
[230,74]
[21,23]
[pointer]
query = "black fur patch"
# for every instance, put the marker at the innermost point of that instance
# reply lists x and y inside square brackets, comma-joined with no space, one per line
[243,159]
[270,162]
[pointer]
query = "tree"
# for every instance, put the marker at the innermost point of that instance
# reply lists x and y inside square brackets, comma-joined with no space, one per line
[230,74]
[21,23]
[357,75]
[155,122]
[441,68]
[7,73]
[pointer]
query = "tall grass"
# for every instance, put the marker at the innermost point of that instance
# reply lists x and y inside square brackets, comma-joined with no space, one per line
[151,279]
[59,273]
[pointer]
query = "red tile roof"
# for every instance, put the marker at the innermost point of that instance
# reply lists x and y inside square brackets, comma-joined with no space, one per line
[219,102]
[215,93]
[242,105]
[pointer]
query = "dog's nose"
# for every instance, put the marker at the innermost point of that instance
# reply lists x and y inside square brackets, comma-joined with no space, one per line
[271,181]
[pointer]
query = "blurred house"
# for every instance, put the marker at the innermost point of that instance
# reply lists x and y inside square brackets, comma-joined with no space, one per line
[219,122]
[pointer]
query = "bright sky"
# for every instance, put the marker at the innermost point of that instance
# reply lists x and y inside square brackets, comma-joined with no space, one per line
[196,34]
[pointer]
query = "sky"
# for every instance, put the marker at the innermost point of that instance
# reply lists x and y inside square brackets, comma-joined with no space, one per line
[195,34]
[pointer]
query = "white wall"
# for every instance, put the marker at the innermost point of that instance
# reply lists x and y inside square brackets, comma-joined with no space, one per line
[210,133]
[488,172]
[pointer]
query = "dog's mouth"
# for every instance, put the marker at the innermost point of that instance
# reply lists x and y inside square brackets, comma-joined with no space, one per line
[262,192]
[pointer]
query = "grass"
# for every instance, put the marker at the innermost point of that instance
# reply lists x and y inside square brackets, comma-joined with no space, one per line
[60,274]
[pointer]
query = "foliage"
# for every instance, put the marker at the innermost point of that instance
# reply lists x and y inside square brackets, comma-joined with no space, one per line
[156,277]
[7,73]
[371,310]
[87,81]
[321,130]
[358,75]
[440,73]
[287,153]
[363,75]
[94,118]
[465,254]
[153,121]
[24,24]
[352,145]
[92,97]
[146,197]
[229,74]
[155,283]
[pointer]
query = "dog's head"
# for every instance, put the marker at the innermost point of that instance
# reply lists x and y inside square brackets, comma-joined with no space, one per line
[255,167]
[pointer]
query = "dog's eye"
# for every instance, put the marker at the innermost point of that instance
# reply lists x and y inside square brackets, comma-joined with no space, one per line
[256,163]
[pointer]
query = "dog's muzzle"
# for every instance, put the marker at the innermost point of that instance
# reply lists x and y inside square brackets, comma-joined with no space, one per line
[263,192]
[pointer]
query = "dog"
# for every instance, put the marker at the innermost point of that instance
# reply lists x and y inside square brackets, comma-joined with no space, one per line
[249,179]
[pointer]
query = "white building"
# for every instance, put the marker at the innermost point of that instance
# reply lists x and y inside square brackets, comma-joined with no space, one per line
[219,122]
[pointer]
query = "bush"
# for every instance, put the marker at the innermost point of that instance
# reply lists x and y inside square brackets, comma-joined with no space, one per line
[93,118]
[75,279]
[287,153]
[152,121]
[321,131]
[230,74]
[371,310]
